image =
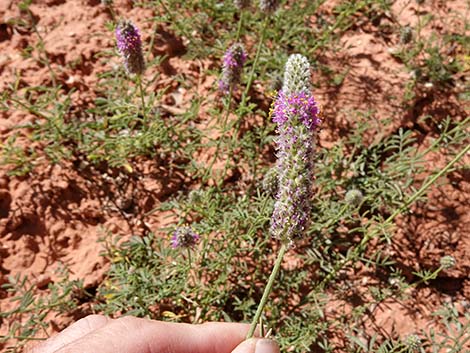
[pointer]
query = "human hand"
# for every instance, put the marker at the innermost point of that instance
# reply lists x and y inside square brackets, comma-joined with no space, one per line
[97,333]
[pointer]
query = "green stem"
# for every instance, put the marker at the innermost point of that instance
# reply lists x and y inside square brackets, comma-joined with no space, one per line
[239,28]
[141,89]
[389,220]
[245,92]
[173,20]
[152,40]
[255,63]
[110,7]
[41,45]
[267,290]
[29,338]
[221,137]
[30,109]
[427,184]
[189,259]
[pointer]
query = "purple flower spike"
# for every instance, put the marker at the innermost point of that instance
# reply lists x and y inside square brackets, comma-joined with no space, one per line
[130,47]
[184,237]
[297,116]
[233,61]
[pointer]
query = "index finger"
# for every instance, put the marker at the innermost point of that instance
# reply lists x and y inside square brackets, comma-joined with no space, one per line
[133,335]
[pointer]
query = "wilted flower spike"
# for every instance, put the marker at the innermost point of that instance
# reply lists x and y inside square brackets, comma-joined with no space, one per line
[241,4]
[297,116]
[297,75]
[130,47]
[184,237]
[233,61]
[268,6]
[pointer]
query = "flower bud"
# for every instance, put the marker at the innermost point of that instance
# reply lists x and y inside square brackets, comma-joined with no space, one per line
[297,75]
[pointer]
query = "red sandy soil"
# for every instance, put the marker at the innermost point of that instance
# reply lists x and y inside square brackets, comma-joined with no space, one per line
[58,213]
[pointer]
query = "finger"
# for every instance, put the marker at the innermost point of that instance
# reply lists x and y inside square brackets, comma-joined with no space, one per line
[132,335]
[75,331]
[257,345]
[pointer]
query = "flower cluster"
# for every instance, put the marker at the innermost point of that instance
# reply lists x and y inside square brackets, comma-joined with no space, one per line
[300,106]
[130,47]
[268,6]
[233,61]
[297,116]
[184,237]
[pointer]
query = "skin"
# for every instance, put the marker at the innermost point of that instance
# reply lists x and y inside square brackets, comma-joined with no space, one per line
[97,333]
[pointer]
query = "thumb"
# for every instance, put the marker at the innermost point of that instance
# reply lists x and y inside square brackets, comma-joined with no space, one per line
[257,345]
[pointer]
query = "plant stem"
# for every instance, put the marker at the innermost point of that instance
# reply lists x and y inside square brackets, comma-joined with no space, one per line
[110,8]
[189,259]
[224,128]
[41,45]
[239,28]
[141,89]
[246,91]
[267,290]
[255,63]
[174,20]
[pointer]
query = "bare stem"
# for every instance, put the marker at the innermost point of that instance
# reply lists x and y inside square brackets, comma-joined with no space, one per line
[267,290]
[239,28]
[141,89]
[255,63]
[224,129]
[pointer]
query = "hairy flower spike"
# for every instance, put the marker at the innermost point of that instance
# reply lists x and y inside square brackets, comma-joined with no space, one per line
[447,262]
[297,75]
[354,197]
[233,61]
[130,47]
[241,4]
[268,6]
[184,237]
[413,343]
[297,116]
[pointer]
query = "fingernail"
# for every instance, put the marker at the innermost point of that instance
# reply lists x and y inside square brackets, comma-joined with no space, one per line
[266,346]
